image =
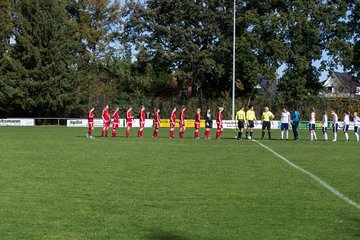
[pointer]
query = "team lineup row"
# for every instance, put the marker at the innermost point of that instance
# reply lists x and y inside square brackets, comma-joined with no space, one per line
[245,120]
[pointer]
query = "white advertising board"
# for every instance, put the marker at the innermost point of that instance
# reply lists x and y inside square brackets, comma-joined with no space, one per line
[230,124]
[14,122]
[84,123]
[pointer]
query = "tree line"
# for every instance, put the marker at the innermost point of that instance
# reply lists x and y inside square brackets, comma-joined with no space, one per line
[58,57]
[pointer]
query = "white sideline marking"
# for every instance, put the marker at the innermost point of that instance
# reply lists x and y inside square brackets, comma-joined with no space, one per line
[317,179]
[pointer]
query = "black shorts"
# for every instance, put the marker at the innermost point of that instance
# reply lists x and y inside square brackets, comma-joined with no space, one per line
[208,123]
[241,124]
[266,125]
[251,124]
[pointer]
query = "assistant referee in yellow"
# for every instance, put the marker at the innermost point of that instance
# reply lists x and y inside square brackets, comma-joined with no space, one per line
[266,117]
[240,118]
[250,118]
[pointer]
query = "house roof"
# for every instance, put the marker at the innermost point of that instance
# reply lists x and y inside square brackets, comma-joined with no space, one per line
[347,79]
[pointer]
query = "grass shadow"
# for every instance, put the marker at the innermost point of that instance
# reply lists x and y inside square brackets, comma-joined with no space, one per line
[168,235]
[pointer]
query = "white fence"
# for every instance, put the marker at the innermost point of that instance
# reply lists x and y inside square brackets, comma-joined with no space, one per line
[81,122]
[23,122]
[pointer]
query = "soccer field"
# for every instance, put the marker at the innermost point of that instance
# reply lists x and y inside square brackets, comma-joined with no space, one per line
[56,184]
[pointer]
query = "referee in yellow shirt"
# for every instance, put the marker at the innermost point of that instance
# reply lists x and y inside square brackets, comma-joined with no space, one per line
[251,118]
[267,116]
[240,118]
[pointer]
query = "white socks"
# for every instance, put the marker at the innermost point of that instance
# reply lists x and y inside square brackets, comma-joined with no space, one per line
[347,136]
[313,136]
[325,136]
[335,136]
[287,134]
[357,136]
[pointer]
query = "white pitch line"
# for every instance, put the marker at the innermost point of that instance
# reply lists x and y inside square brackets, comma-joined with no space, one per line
[316,178]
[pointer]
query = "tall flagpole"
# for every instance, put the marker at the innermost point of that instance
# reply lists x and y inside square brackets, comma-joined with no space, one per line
[233,78]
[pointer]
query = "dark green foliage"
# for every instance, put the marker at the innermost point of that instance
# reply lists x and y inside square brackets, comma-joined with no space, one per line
[41,77]
[57,57]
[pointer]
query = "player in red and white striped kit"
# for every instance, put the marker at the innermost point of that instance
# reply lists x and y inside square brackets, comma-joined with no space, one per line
[91,116]
[129,120]
[197,123]
[219,119]
[182,121]
[115,124]
[142,121]
[156,123]
[106,120]
[172,122]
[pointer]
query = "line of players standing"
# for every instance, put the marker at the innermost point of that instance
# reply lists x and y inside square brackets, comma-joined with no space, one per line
[249,119]
[243,119]
[129,119]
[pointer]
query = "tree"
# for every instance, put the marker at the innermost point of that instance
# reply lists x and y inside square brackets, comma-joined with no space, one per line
[41,76]
[97,25]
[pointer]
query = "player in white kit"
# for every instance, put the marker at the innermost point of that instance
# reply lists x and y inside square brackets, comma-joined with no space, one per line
[312,122]
[356,126]
[346,125]
[335,124]
[325,125]
[285,120]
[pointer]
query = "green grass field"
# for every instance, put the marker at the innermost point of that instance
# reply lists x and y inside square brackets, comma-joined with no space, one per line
[56,184]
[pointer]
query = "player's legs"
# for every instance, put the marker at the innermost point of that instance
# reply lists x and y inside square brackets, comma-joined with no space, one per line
[294,129]
[114,129]
[356,130]
[282,131]
[263,131]
[324,129]
[335,129]
[240,132]
[218,132]
[207,133]
[346,128]
[269,131]
[140,131]
[221,131]
[182,131]
[103,130]
[171,133]
[90,129]
[240,129]
[314,132]
[196,134]
[156,133]
[128,129]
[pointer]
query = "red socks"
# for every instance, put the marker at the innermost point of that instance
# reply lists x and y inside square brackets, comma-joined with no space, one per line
[207,134]
[196,134]
[171,134]
[127,133]
[106,132]
[155,134]
[218,133]
[114,132]
[89,132]
[181,134]
[140,133]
